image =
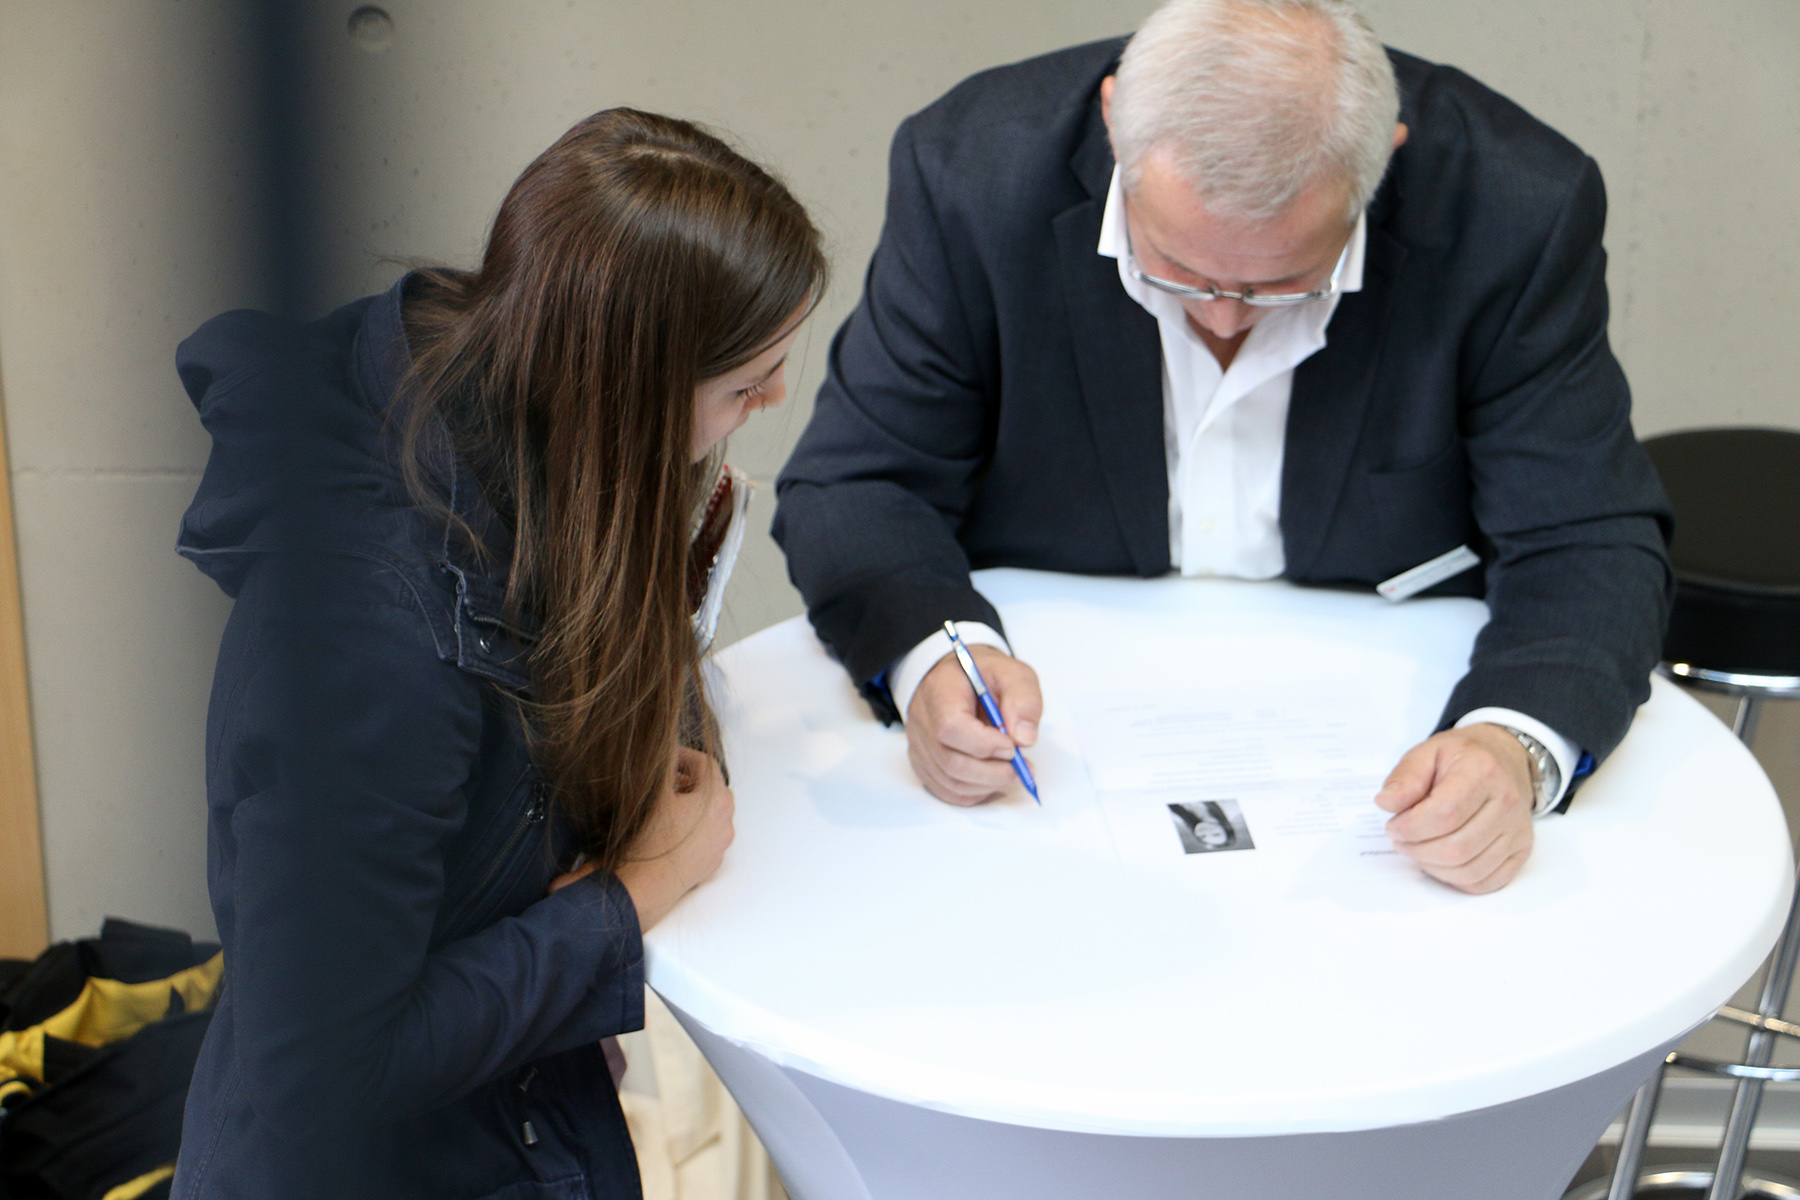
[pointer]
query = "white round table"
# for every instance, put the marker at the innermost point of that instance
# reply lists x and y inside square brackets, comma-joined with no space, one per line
[913,1001]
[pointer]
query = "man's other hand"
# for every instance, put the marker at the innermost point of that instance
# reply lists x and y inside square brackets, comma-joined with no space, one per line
[1462,805]
[956,754]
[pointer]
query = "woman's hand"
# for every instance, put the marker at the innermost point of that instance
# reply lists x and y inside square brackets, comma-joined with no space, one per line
[683,843]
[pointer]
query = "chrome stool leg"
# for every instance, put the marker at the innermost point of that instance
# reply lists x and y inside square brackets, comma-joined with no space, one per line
[1726,1180]
[1743,722]
[1637,1136]
[1728,1175]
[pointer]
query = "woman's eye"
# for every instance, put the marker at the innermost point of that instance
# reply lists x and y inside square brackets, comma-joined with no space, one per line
[753,392]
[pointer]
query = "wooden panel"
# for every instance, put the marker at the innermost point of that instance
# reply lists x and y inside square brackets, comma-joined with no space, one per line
[24,928]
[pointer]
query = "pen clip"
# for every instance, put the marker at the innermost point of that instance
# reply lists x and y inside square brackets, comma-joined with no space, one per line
[965,660]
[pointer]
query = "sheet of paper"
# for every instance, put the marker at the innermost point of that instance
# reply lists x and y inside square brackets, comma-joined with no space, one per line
[1286,771]
[1230,734]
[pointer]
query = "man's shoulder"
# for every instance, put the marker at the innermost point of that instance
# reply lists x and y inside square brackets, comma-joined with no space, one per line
[1045,96]
[1469,144]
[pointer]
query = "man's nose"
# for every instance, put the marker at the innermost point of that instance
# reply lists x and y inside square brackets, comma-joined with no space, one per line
[1221,318]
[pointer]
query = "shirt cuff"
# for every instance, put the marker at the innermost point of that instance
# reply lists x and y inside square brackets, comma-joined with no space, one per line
[1567,756]
[910,672]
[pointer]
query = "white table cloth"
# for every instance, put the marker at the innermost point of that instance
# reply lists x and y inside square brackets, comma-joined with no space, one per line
[914,1000]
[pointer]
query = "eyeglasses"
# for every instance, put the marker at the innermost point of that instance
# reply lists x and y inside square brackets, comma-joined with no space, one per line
[1278,300]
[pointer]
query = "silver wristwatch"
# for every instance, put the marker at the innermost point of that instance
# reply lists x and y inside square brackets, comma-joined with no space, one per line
[1546,775]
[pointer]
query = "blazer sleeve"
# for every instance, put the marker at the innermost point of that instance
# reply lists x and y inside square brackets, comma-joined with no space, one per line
[344,748]
[871,500]
[1579,585]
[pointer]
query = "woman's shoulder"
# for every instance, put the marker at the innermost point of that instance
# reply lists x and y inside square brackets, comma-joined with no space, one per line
[303,455]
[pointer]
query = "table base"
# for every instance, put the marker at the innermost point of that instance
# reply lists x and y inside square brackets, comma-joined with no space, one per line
[831,1142]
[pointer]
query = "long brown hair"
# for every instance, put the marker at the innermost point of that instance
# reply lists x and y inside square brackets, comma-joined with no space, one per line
[634,259]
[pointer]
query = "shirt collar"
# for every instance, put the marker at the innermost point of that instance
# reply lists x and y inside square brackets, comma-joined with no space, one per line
[1112,242]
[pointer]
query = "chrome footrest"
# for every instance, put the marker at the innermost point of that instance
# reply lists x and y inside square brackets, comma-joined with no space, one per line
[1688,1062]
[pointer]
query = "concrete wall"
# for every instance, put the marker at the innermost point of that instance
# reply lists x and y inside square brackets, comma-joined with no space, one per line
[122,188]
[124,193]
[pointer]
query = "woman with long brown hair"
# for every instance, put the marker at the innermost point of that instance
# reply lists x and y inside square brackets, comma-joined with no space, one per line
[459,752]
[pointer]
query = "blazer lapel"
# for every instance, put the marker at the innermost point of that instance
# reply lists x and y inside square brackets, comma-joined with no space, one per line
[1330,397]
[1118,358]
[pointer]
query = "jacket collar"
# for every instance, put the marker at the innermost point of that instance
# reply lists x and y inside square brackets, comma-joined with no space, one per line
[1118,360]
[1092,161]
[477,636]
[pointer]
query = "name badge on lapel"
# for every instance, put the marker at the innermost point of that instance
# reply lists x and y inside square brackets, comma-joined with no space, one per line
[1428,574]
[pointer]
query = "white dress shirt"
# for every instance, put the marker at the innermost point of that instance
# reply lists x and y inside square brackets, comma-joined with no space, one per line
[1224,432]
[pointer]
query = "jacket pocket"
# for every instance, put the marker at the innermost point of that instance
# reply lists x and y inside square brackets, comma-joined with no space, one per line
[1399,519]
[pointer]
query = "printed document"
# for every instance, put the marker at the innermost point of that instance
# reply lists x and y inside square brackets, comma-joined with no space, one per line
[1281,770]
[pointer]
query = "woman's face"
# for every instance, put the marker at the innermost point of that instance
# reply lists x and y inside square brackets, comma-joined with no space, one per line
[722,405]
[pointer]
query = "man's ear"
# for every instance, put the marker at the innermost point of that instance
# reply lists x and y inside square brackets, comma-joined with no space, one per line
[1106,93]
[1400,130]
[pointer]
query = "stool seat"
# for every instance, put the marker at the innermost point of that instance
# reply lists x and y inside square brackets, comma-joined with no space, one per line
[1736,550]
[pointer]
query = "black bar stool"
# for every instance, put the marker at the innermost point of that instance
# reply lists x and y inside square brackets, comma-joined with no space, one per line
[1735,630]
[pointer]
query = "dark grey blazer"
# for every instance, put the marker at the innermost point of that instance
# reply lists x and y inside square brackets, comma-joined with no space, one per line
[996,397]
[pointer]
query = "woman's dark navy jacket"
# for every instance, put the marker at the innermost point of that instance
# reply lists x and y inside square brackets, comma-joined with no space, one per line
[407,1011]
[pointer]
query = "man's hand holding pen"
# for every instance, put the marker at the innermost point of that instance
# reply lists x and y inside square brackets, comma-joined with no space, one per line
[957,755]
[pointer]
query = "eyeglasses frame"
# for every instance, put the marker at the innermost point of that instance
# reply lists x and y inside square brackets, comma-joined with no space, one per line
[1186,291]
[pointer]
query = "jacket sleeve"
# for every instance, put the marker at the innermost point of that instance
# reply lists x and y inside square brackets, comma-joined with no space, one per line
[343,747]
[871,500]
[1580,584]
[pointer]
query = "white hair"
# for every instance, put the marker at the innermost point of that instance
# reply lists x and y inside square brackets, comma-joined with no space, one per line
[1257,100]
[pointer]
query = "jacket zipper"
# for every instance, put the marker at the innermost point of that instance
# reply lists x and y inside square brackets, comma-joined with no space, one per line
[533,814]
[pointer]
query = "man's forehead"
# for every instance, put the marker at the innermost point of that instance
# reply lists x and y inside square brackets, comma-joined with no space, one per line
[1172,216]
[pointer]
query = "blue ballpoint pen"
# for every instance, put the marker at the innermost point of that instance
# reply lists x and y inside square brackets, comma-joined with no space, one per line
[988,706]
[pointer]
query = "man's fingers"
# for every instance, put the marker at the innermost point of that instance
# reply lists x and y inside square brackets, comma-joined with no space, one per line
[1488,871]
[1502,875]
[986,773]
[945,786]
[1452,804]
[956,754]
[1466,784]
[1483,831]
[967,734]
[1457,850]
[1014,686]
[1411,780]
[945,710]
[941,758]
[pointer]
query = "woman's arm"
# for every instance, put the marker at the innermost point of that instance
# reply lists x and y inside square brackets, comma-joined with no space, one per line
[344,748]
[682,846]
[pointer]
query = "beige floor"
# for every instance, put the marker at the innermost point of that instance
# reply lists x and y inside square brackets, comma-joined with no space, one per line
[692,1142]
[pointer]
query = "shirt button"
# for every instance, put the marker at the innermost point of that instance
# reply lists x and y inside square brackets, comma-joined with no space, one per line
[1206,526]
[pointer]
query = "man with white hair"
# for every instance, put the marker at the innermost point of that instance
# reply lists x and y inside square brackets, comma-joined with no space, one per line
[1248,296]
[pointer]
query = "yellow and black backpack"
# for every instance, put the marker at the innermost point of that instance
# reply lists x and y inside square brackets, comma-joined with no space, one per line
[98,1039]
